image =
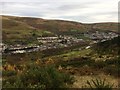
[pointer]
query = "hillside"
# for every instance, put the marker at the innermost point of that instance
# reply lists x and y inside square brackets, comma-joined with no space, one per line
[108,47]
[85,65]
[17,29]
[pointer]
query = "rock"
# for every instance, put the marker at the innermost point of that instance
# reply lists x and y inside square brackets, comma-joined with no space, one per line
[60,68]
[68,67]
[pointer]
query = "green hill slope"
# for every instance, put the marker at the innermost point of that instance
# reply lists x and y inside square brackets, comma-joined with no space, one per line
[108,47]
[17,29]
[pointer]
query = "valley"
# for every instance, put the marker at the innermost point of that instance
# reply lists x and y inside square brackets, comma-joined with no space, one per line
[59,54]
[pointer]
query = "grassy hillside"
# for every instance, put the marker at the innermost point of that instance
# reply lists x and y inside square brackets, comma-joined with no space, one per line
[106,26]
[18,29]
[108,47]
[15,31]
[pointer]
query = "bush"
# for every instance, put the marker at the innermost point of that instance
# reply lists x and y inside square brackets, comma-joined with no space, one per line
[9,73]
[39,77]
[99,84]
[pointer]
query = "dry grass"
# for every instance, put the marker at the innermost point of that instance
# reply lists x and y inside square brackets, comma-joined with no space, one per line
[81,80]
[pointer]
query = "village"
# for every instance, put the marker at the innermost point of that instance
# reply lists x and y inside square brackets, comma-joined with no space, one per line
[100,35]
[46,43]
[60,41]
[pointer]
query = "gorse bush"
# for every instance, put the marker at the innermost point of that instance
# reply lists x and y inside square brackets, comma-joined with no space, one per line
[39,77]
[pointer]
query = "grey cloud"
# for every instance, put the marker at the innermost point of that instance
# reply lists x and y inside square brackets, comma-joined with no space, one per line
[71,7]
[79,18]
[82,11]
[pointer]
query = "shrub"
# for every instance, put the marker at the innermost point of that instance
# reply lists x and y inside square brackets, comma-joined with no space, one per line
[9,73]
[99,84]
[39,77]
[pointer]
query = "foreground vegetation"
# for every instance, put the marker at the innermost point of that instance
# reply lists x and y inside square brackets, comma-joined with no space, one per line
[99,84]
[56,73]
[58,70]
[35,76]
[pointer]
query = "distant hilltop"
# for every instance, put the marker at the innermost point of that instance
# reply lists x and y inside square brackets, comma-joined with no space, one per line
[24,28]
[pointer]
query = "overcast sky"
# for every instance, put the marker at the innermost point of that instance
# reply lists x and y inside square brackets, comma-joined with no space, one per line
[87,11]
